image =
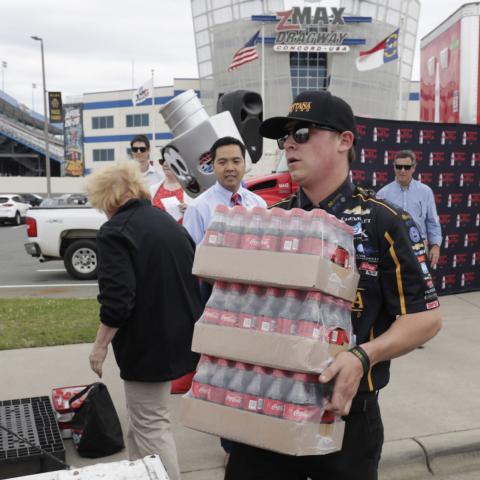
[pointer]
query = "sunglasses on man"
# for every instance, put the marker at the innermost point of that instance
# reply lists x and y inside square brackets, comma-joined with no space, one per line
[301,134]
[139,149]
[403,167]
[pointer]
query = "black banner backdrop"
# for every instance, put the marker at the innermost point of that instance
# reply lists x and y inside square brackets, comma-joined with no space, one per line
[448,157]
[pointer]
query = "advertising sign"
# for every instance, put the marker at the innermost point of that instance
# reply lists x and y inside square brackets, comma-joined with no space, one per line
[55,106]
[73,135]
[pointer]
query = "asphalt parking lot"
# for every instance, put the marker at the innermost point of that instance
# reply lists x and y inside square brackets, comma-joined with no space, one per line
[24,276]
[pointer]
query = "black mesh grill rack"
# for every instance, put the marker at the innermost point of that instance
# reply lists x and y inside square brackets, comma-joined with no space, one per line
[33,419]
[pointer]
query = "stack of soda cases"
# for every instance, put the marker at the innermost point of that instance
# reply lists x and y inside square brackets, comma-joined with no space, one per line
[310,314]
[276,230]
[297,397]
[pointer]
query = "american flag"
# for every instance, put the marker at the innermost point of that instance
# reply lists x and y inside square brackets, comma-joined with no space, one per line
[246,54]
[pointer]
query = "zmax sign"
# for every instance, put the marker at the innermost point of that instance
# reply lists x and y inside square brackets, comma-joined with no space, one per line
[304,30]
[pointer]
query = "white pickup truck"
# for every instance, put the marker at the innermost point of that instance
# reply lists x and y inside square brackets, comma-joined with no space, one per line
[67,233]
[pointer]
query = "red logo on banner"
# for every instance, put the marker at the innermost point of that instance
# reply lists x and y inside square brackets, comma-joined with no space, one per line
[448,136]
[469,137]
[446,178]
[445,218]
[425,177]
[460,259]
[361,129]
[472,238]
[455,198]
[449,280]
[469,276]
[426,136]
[404,135]
[438,198]
[380,133]
[457,157]
[473,199]
[466,179]
[418,155]
[453,239]
[358,175]
[435,158]
[442,260]
[381,177]
[462,219]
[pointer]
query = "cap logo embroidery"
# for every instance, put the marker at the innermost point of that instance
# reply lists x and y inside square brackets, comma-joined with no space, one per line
[300,107]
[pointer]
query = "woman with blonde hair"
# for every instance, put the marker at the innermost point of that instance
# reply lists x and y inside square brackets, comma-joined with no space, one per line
[149,302]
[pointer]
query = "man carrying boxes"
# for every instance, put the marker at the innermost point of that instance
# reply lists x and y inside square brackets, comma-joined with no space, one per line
[394,309]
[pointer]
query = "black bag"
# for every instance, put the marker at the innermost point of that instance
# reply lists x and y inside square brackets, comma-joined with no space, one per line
[96,429]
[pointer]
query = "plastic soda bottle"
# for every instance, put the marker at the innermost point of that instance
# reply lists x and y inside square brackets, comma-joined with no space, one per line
[313,241]
[291,304]
[310,318]
[231,307]
[273,231]
[267,319]
[201,380]
[215,304]
[274,403]
[218,381]
[214,235]
[236,386]
[252,235]
[301,401]
[292,238]
[234,227]
[254,393]
[250,307]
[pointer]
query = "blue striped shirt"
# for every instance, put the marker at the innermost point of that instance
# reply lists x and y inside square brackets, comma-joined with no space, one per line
[199,212]
[417,199]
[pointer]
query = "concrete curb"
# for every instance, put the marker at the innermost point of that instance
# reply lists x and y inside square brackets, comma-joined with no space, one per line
[432,455]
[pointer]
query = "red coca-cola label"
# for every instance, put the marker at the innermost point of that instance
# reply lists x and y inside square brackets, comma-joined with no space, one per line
[245,320]
[200,390]
[250,241]
[228,319]
[213,238]
[252,403]
[338,337]
[341,257]
[231,239]
[270,243]
[211,315]
[329,250]
[287,326]
[216,394]
[309,329]
[290,244]
[328,417]
[302,413]
[234,399]
[267,324]
[273,407]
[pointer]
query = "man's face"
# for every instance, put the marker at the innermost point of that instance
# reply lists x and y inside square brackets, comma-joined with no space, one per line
[229,166]
[402,175]
[308,162]
[140,152]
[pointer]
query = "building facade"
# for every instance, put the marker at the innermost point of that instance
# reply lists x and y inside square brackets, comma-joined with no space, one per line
[222,27]
[449,69]
[110,121]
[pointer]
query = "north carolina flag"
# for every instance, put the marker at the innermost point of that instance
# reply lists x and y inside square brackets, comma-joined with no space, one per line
[383,52]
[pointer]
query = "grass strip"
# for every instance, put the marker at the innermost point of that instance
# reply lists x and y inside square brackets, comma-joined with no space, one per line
[41,322]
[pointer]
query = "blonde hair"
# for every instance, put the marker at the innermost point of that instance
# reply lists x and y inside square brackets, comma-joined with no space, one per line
[111,186]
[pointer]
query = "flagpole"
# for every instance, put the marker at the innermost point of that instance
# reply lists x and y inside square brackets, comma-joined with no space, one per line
[400,83]
[263,70]
[153,110]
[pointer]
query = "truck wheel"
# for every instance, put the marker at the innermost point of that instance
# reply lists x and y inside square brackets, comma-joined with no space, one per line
[80,259]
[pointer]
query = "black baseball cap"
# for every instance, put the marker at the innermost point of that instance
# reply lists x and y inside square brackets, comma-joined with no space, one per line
[313,106]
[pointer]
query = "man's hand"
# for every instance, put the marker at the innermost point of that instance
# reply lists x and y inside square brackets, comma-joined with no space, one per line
[433,254]
[347,371]
[183,206]
[97,357]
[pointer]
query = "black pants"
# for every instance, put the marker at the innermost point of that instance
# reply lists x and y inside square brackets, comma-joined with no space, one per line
[358,459]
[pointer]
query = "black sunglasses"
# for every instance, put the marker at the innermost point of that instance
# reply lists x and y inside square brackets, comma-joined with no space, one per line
[403,167]
[301,134]
[139,149]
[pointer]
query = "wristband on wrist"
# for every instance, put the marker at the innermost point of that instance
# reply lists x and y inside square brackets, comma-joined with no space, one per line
[361,354]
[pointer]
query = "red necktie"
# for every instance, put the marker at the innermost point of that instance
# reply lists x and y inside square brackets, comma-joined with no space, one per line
[235,199]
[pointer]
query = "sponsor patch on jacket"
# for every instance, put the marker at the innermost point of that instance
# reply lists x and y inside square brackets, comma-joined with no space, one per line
[433,304]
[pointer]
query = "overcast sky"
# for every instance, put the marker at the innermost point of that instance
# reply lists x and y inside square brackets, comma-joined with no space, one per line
[90,44]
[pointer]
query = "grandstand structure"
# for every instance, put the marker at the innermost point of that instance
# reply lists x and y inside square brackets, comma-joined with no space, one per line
[22,141]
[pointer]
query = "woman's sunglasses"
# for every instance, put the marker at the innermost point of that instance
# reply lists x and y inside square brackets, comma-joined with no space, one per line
[301,134]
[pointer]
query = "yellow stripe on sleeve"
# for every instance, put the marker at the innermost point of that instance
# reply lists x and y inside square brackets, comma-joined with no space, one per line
[403,309]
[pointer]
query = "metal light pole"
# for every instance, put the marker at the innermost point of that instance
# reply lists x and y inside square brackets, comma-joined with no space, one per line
[45,115]
[4,66]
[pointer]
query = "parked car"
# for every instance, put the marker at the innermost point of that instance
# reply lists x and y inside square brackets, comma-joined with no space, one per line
[75,198]
[32,198]
[13,208]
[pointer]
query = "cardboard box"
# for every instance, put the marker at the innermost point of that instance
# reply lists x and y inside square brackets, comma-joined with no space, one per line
[261,430]
[277,269]
[287,352]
